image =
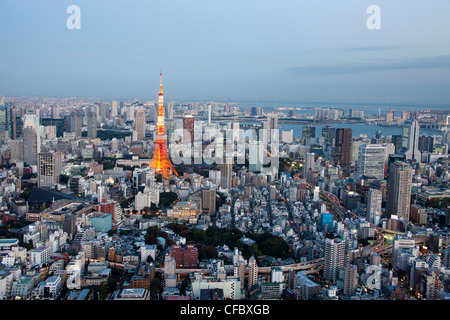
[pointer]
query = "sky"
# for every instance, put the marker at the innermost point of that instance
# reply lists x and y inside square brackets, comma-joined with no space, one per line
[285,50]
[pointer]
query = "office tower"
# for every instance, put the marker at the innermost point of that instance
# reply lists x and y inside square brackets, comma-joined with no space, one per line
[209,114]
[418,269]
[60,125]
[188,126]
[16,150]
[49,168]
[31,139]
[91,125]
[69,225]
[114,109]
[373,206]
[410,141]
[169,110]
[350,280]
[256,111]
[326,222]
[161,161]
[343,147]
[389,116]
[334,257]
[272,121]
[392,159]
[399,190]
[3,116]
[309,167]
[76,122]
[252,272]
[255,155]
[397,141]
[371,161]
[11,120]
[236,132]
[209,200]
[139,123]
[287,136]
[226,172]
[308,132]
[329,133]
[426,144]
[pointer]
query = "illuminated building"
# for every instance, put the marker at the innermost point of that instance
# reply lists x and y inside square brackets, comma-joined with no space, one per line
[161,162]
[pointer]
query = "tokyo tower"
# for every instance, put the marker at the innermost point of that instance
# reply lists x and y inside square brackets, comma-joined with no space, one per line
[161,162]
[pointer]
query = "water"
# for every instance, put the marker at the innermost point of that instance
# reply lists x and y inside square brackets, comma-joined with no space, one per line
[368,108]
[357,129]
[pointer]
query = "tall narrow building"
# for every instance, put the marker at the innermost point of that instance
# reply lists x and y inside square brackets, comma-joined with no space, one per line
[343,147]
[410,141]
[252,272]
[188,126]
[371,161]
[49,168]
[374,200]
[91,124]
[161,161]
[139,123]
[76,122]
[399,190]
[31,139]
[334,257]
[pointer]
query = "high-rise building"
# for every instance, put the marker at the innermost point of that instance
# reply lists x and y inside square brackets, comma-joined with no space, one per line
[410,141]
[91,125]
[374,201]
[49,168]
[60,125]
[252,272]
[326,222]
[188,126]
[309,167]
[209,200]
[76,122]
[139,123]
[350,280]
[329,133]
[397,141]
[308,132]
[227,172]
[426,144]
[389,116]
[11,120]
[343,147]
[115,109]
[31,139]
[3,116]
[371,161]
[334,257]
[399,190]
[256,111]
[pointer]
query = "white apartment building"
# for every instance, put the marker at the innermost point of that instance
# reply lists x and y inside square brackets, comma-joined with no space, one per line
[39,256]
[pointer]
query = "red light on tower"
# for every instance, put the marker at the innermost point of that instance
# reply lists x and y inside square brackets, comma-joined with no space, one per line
[161,161]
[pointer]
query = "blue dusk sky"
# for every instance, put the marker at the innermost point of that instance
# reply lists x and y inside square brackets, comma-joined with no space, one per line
[286,50]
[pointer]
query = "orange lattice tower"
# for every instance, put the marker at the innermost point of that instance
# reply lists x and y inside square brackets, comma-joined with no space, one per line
[161,161]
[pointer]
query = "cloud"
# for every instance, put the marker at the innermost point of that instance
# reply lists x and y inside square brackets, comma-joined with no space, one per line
[349,68]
